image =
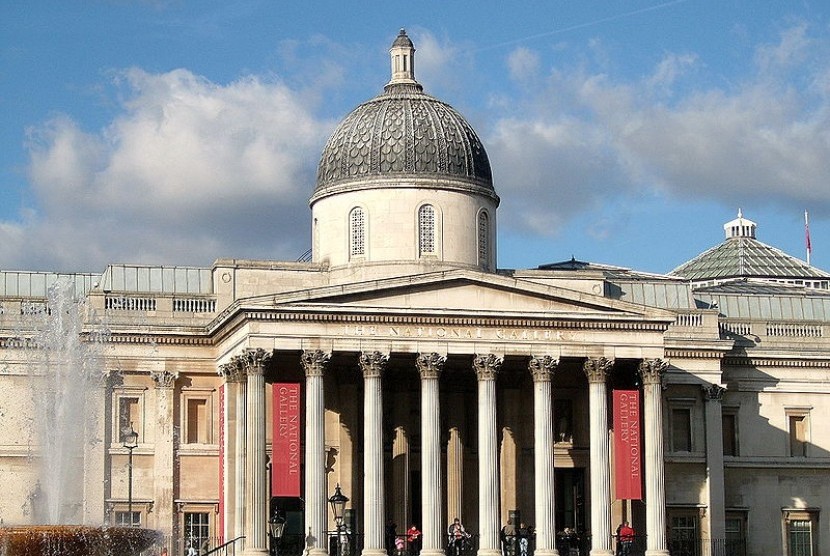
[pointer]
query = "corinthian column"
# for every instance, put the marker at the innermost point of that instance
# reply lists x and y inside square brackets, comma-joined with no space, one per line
[372,364]
[486,368]
[652,374]
[597,372]
[235,434]
[430,366]
[256,484]
[542,369]
[163,462]
[314,364]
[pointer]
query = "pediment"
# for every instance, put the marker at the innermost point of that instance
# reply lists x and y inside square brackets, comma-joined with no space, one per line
[463,292]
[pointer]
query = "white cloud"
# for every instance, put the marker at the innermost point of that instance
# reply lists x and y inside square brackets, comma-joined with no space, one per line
[589,139]
[187,172]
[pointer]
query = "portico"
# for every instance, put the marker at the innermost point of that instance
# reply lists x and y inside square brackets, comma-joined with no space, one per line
[423,418]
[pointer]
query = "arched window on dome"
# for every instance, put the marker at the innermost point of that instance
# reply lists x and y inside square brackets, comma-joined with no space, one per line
[426,230]
[357,232]
[483,239]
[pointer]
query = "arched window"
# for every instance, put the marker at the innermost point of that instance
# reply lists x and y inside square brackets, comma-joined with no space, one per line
[426,230]
[483,239]
[357,232]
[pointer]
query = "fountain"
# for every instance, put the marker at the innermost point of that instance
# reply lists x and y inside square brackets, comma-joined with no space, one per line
[66,366]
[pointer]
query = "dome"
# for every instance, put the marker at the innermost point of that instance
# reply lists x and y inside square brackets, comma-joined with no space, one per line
[404,137]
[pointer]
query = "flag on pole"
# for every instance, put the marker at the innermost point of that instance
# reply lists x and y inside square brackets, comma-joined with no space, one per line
[807,235]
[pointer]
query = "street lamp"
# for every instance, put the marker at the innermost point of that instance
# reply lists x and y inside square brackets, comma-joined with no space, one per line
[276,525]
[129,440]
[338,506]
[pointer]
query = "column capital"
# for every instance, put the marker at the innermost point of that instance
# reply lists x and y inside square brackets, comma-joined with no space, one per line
[651,370]
[542,368]
[233,370]
[597,369]
[487,366]
[256,359]
[713,392]
[314,362]
[430,365]
[373,363]
[165,378]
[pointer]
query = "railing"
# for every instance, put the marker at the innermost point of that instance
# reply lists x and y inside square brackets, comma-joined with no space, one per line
[194,305]
[226,549]
[129,303]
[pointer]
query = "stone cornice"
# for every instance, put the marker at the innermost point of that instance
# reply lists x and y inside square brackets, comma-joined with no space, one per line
[574,322]
[732,361]
[674,353]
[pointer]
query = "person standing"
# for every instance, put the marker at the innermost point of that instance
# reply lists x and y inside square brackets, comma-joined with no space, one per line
[457,535]
[625,538]
[413,537]
[508,539]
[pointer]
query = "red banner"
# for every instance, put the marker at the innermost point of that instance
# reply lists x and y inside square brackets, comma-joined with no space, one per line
[286,458]
[628,461]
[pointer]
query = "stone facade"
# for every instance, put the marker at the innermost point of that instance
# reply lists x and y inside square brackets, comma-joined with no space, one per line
[433,387]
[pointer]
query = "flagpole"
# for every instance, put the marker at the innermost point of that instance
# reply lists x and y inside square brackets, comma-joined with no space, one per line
[807,236]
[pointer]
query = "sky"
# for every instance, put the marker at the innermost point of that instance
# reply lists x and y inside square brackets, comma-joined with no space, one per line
[622,132]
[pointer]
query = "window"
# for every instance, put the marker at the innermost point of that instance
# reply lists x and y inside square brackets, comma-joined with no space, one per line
[684,531]
[197,529]
[730,434]
[197,421]
[563,420]
[128,416]
[800,527]
[483,239]
[357,232]
[426,230]
[128,519]
[798,434]
[735,533]
[681,429]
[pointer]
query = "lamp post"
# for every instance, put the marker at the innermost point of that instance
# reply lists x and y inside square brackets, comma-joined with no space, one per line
[276,526]
[130,442]
[338,506]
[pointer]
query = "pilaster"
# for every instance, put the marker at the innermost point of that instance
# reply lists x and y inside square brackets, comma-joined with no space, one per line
[164,455]
[713,396]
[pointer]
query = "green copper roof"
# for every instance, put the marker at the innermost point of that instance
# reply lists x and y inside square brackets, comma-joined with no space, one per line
[745,257]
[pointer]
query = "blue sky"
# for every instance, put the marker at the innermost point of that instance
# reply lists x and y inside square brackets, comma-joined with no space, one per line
[620,132]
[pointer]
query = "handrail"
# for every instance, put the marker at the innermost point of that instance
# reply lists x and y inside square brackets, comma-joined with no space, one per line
[224,546]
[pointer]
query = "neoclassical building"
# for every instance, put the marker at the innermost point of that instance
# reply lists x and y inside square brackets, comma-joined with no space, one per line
[402,365]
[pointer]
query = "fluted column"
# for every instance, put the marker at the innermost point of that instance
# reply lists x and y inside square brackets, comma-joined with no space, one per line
[429,367]
[652,374]
[235,377]
[597,372]
[486,368]
[542,369]
[314,365]
[372,364]
[713,394]
[163,461]
[256,539]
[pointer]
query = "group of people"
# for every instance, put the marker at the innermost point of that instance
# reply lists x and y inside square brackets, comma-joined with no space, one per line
[515,541]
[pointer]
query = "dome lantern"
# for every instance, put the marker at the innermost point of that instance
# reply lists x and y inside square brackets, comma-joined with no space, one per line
[402,54]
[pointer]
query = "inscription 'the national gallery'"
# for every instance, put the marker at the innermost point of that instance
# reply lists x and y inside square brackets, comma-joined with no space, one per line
[451,333]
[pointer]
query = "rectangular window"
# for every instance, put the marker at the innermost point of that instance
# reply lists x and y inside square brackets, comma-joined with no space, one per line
[128,416]
[798,435]
[735,533]
[730,434]
[197,530]
[197,421]
[681,429]
[128,519]
[684,532]
[800,529]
